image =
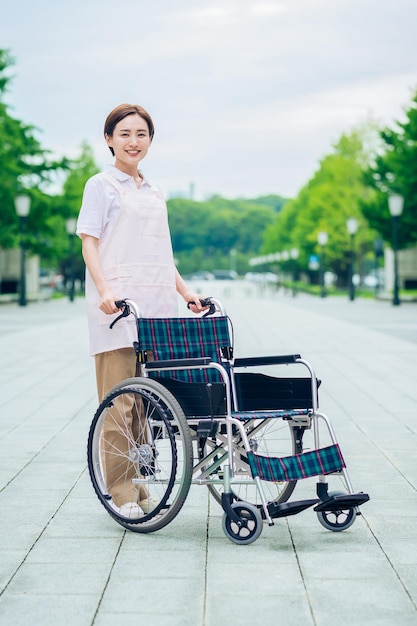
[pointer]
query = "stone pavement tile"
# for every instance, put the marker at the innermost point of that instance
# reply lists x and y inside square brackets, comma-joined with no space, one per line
[86,520]
[74,550]
[160,576]
[340,563]
[176,595]
[398,549]
[183,534]
[181,616]
[53,569]
[372,601]
[183,607]
[236,605]
[56,578]
[269,577]
[408,576]
[256,583]
[395,520]
[43,473]
[186,533]
[21,609]
[187,562]
[11,559]
[21,502]
[355,554]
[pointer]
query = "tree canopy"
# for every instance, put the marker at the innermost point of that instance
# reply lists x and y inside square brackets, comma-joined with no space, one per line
[24,167]
[204,233]
[67,205]
[394,171]
[334,194]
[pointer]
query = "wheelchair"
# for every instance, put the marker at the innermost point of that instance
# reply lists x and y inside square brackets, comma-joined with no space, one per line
[198,415]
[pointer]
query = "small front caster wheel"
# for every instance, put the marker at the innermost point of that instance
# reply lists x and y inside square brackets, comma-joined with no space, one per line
[249,527]
[338,519]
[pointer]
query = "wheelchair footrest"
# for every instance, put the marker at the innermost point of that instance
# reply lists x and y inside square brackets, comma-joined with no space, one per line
[345,501]
[289,508]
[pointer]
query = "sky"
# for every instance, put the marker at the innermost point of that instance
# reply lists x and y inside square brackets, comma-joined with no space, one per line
[246,95]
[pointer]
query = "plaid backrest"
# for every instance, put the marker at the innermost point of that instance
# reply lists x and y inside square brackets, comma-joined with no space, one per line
[185,337]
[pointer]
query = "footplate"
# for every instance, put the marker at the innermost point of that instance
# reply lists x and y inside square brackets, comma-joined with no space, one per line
[345,501]
[289,508]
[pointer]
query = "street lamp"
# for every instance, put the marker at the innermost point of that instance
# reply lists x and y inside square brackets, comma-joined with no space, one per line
[379,252]
[22,205]
[71,226]
[352,227]
[232,254]
[294,256]
[395,204]
[322,238]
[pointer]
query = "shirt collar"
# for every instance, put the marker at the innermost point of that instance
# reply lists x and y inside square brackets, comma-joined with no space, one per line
[123,177]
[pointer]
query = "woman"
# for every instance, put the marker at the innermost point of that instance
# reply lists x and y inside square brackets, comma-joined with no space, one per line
[127,250]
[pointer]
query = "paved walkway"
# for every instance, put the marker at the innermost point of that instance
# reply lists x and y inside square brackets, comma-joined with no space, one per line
[64,561]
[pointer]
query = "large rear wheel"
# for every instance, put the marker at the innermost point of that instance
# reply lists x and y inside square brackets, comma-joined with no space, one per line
[140,455]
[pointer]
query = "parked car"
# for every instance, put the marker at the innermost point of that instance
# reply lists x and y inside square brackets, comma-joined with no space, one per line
[225,274]
[263,278]
[200,276]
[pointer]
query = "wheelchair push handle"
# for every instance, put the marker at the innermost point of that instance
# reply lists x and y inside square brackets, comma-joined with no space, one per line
[205,302]
[129,306]
[124,306]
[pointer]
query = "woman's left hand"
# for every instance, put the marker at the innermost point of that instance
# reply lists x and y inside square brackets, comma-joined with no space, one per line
[193,301]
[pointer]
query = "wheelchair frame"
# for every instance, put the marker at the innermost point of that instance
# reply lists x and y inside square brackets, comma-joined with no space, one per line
[230,447]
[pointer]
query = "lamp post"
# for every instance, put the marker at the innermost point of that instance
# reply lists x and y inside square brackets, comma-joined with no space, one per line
[379,251]
[233,260]
[71,225]
[322,238]
[22,205]
[352,227]
[395,204]
[285,255]
[294,256]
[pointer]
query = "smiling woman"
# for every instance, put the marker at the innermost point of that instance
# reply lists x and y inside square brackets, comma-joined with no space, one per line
[134,118]
[126,244]
[129,132]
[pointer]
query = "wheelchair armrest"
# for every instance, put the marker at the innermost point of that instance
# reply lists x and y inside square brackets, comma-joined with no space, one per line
[267,360]
[177,363]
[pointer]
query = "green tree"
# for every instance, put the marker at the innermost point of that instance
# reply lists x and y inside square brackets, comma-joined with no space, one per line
[24,166]
[68,206]
[80,170]
[274,201]
[394,170]
[204,233]
[334,194]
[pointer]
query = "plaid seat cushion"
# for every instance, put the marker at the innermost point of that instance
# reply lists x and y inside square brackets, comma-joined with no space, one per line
[185,337]
[313,463]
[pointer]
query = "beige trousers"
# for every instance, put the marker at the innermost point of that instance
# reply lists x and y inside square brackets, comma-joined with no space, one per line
[120,429]
[113,367]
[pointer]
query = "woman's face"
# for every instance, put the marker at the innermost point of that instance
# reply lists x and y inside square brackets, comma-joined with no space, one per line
[130,142]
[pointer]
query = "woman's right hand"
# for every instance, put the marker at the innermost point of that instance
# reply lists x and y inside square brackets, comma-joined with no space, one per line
[107,302]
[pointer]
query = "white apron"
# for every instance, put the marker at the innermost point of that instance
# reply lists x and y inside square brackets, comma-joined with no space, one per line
[137,262]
